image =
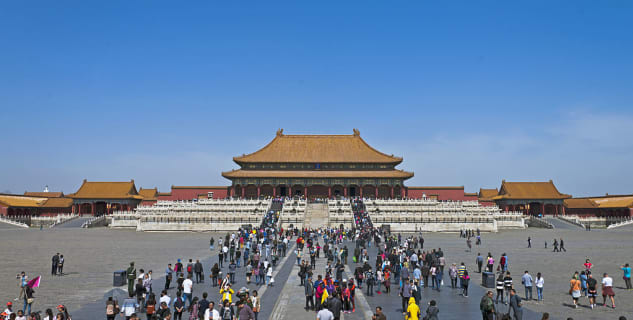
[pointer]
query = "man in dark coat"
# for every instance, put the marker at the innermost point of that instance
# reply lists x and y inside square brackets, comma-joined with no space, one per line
[55,263]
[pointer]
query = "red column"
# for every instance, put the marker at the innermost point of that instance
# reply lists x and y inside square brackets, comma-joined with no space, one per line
[305,192]
[506,209]
[243,192]
[543,209]
[376,189]
[259,190]
[92,208]
[556,209]
[361,191]
[345,191]
[329,192]
[391,192]
[274,191]
[232,191]
[402,194]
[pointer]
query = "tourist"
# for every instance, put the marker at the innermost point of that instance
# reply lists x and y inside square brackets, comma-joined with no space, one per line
[164,312]
[336,306]
[55,261]
[150,306]
[587,266]
[555,246]
[529,241]
[211,313]
[487,307]
[413,311]
[232,269]
[169,274]
[193,308]
[405,293]
[378,315]
[129,307]
[197,268]
[562,245]
[515,305]
[140,293]
[325,314]
[164,297]
[370,280]
[583,283]
[499,286]
[215,273]
[452,273]
[227,292]
[607,290]
[539,282]
[526,280]
[480,261]
[179,306]
[465,281]
[507,286]
[203,305]
[545,316]
[111,308]
[627,276]
[269,276]
[48,314]
[256,302]
[592,291]
[187,289]
[309,293]
[574,289]
[490,261]
[432,311]
[245,312]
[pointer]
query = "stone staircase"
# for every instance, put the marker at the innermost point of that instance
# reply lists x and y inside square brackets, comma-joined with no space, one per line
[317,215]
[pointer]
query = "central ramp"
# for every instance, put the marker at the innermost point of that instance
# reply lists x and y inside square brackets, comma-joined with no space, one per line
[317,215]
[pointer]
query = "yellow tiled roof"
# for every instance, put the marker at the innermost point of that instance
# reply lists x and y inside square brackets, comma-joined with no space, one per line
[614,202]
[318,149]
[487,194]
[148,194]
[44,194]
[578,203]
[58,203]
[106,190]
[21,201]
[529,190]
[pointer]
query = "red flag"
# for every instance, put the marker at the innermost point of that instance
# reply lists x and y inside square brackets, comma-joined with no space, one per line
[35,283]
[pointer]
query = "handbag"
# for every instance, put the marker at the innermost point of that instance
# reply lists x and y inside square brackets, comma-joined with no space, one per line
[30,300]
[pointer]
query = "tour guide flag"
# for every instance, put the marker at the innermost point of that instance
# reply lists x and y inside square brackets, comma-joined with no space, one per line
[324,297]
[35,283]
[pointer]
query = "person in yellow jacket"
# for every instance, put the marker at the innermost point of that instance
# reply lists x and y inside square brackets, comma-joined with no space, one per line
[227,293]
[413,311]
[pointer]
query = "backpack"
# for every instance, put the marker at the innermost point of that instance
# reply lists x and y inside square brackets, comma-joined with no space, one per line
[227,314]
[189,268]
[110,309]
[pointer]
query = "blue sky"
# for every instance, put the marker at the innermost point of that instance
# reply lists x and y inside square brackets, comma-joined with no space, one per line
[468,92]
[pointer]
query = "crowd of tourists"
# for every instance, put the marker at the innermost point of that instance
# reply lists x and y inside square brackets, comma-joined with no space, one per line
[401,267]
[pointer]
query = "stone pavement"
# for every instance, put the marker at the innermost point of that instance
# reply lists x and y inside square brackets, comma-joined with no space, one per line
[266,293]
[93,254]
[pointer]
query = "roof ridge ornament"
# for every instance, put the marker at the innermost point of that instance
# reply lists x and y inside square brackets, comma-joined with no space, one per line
[356,132]
[280,132]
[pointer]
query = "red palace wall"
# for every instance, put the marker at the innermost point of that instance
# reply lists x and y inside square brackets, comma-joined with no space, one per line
[442,193]
[186,193]
[3,211]
[487,203]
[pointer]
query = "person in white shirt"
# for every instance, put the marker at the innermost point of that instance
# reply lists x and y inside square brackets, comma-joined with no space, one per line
[187,289]
[211,313]
[164,298]
[607,290]
[9,309]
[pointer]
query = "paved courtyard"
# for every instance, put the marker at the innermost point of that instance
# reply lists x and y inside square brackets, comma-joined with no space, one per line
[93,254]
